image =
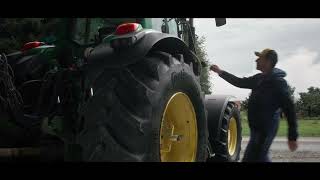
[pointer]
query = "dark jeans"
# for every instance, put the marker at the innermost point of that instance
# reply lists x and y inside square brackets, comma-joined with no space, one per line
[259,144]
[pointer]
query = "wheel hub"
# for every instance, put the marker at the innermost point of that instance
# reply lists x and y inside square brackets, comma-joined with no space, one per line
[178,132]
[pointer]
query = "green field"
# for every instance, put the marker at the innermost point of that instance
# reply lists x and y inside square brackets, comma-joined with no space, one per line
[307,127]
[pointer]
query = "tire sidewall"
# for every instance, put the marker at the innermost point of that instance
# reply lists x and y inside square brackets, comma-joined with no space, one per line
[179,78]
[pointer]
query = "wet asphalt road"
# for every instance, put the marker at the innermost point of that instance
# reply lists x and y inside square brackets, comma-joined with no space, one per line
[308,150]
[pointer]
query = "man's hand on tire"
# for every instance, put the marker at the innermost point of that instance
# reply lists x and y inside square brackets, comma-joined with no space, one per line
[216,69]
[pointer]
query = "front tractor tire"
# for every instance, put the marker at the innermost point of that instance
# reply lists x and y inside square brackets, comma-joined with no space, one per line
[149,111]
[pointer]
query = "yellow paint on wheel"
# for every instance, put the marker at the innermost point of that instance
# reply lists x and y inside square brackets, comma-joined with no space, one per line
[232,136]
[178,132]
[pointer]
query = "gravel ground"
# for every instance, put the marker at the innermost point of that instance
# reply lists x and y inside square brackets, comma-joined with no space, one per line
[308,150]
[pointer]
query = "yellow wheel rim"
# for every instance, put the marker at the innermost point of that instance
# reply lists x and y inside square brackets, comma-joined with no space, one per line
[232,136]
[178,131]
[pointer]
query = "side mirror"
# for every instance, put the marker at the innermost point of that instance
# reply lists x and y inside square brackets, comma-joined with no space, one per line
[220,21]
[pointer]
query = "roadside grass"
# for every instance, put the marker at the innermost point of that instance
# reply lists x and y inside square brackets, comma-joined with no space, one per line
[307,127]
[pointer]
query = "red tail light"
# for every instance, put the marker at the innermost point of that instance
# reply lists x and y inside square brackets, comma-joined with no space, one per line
[31,45]
[127,28]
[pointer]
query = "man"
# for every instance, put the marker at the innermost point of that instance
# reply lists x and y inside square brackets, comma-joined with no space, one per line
[269,94]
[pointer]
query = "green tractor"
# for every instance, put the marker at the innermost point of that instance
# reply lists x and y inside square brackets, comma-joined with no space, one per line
[113,89]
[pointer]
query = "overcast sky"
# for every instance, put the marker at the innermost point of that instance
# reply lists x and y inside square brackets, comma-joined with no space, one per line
[232,47]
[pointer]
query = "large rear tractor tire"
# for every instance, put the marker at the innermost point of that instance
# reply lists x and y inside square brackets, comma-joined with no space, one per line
[228,145]
[149,111]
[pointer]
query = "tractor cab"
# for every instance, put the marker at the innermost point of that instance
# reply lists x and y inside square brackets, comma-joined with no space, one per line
[77,34]
[64,42]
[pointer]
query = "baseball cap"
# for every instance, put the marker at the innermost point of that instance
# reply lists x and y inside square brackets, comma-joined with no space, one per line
[263,53]
[269,54]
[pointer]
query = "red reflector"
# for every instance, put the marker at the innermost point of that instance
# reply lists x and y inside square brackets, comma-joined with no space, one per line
[31,45]
[126,28]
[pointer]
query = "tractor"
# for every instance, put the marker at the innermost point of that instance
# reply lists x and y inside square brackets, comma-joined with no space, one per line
[113,89]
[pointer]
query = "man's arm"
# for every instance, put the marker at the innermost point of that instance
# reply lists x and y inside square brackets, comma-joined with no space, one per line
[288,108]
[246,82]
